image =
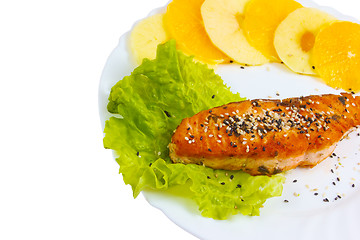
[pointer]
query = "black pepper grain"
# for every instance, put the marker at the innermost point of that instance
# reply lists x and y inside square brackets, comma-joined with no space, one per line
[167,113]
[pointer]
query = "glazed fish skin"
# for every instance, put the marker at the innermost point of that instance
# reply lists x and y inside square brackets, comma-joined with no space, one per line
[265,137]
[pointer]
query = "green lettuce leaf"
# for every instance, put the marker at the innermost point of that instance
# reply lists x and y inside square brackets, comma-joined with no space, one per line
[151,103]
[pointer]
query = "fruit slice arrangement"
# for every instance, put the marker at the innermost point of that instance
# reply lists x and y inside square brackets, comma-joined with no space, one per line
[255,32]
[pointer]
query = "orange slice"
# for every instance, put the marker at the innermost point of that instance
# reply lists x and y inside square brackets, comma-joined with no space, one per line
[336,55]
[261,19]
[184,23]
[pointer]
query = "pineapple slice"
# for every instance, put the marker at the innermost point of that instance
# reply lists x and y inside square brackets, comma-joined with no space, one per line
[295,37]
[145,37]
[223,24]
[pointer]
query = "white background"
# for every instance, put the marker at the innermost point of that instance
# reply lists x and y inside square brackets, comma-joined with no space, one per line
[56,180]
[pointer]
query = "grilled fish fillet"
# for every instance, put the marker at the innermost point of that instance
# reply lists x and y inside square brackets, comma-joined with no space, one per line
[265,137]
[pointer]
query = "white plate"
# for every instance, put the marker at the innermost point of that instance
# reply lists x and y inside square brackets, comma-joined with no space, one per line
[305,215]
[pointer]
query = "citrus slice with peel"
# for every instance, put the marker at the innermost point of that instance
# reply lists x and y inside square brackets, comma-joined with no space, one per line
[145,36]
[223,23]
[261,19]
[184,23]
[336,55]
[295,37]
